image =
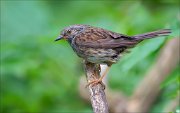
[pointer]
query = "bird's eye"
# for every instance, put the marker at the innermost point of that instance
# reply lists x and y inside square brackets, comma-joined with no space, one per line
[69,31]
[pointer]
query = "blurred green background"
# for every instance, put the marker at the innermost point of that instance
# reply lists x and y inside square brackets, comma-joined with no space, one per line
[40,75]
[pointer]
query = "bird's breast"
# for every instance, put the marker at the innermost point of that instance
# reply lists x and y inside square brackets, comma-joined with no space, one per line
[100,55]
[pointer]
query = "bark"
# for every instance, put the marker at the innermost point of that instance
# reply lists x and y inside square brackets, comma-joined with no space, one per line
[116,99]
[97,94]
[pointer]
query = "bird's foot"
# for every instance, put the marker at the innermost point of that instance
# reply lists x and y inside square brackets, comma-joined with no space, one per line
[94,82]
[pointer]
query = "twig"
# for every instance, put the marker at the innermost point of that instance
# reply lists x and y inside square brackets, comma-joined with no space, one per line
[97,95]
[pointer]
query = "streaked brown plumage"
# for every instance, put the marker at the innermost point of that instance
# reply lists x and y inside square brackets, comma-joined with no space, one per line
[102,46]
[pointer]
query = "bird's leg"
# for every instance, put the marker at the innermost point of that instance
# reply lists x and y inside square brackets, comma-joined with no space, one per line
[100,79]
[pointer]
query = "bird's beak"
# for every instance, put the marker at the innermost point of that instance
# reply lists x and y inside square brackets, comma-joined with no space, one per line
[59,38]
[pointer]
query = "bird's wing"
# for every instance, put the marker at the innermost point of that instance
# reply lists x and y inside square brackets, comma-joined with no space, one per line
[100,38]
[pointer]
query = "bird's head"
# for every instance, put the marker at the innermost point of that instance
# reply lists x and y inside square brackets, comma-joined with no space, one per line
[70,32]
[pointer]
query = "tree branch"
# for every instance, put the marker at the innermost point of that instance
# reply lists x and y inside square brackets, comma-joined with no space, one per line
[97,95]
[116,100]
[147,91]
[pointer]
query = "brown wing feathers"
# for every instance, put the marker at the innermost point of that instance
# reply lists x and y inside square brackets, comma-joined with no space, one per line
[100,38]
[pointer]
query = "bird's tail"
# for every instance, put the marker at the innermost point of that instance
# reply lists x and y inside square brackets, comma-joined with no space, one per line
[162,32]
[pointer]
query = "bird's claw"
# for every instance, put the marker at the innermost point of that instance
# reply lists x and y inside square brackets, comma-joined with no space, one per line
[94,82]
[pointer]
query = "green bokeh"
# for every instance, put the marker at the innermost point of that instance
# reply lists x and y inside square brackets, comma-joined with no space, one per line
[40,75]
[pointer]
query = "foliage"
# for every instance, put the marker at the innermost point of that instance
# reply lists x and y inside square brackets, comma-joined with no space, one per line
[39,75]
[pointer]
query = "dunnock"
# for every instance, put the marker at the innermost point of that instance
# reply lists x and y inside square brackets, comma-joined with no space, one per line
[100,46]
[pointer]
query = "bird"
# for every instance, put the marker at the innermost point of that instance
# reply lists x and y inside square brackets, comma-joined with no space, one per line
[102,46]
